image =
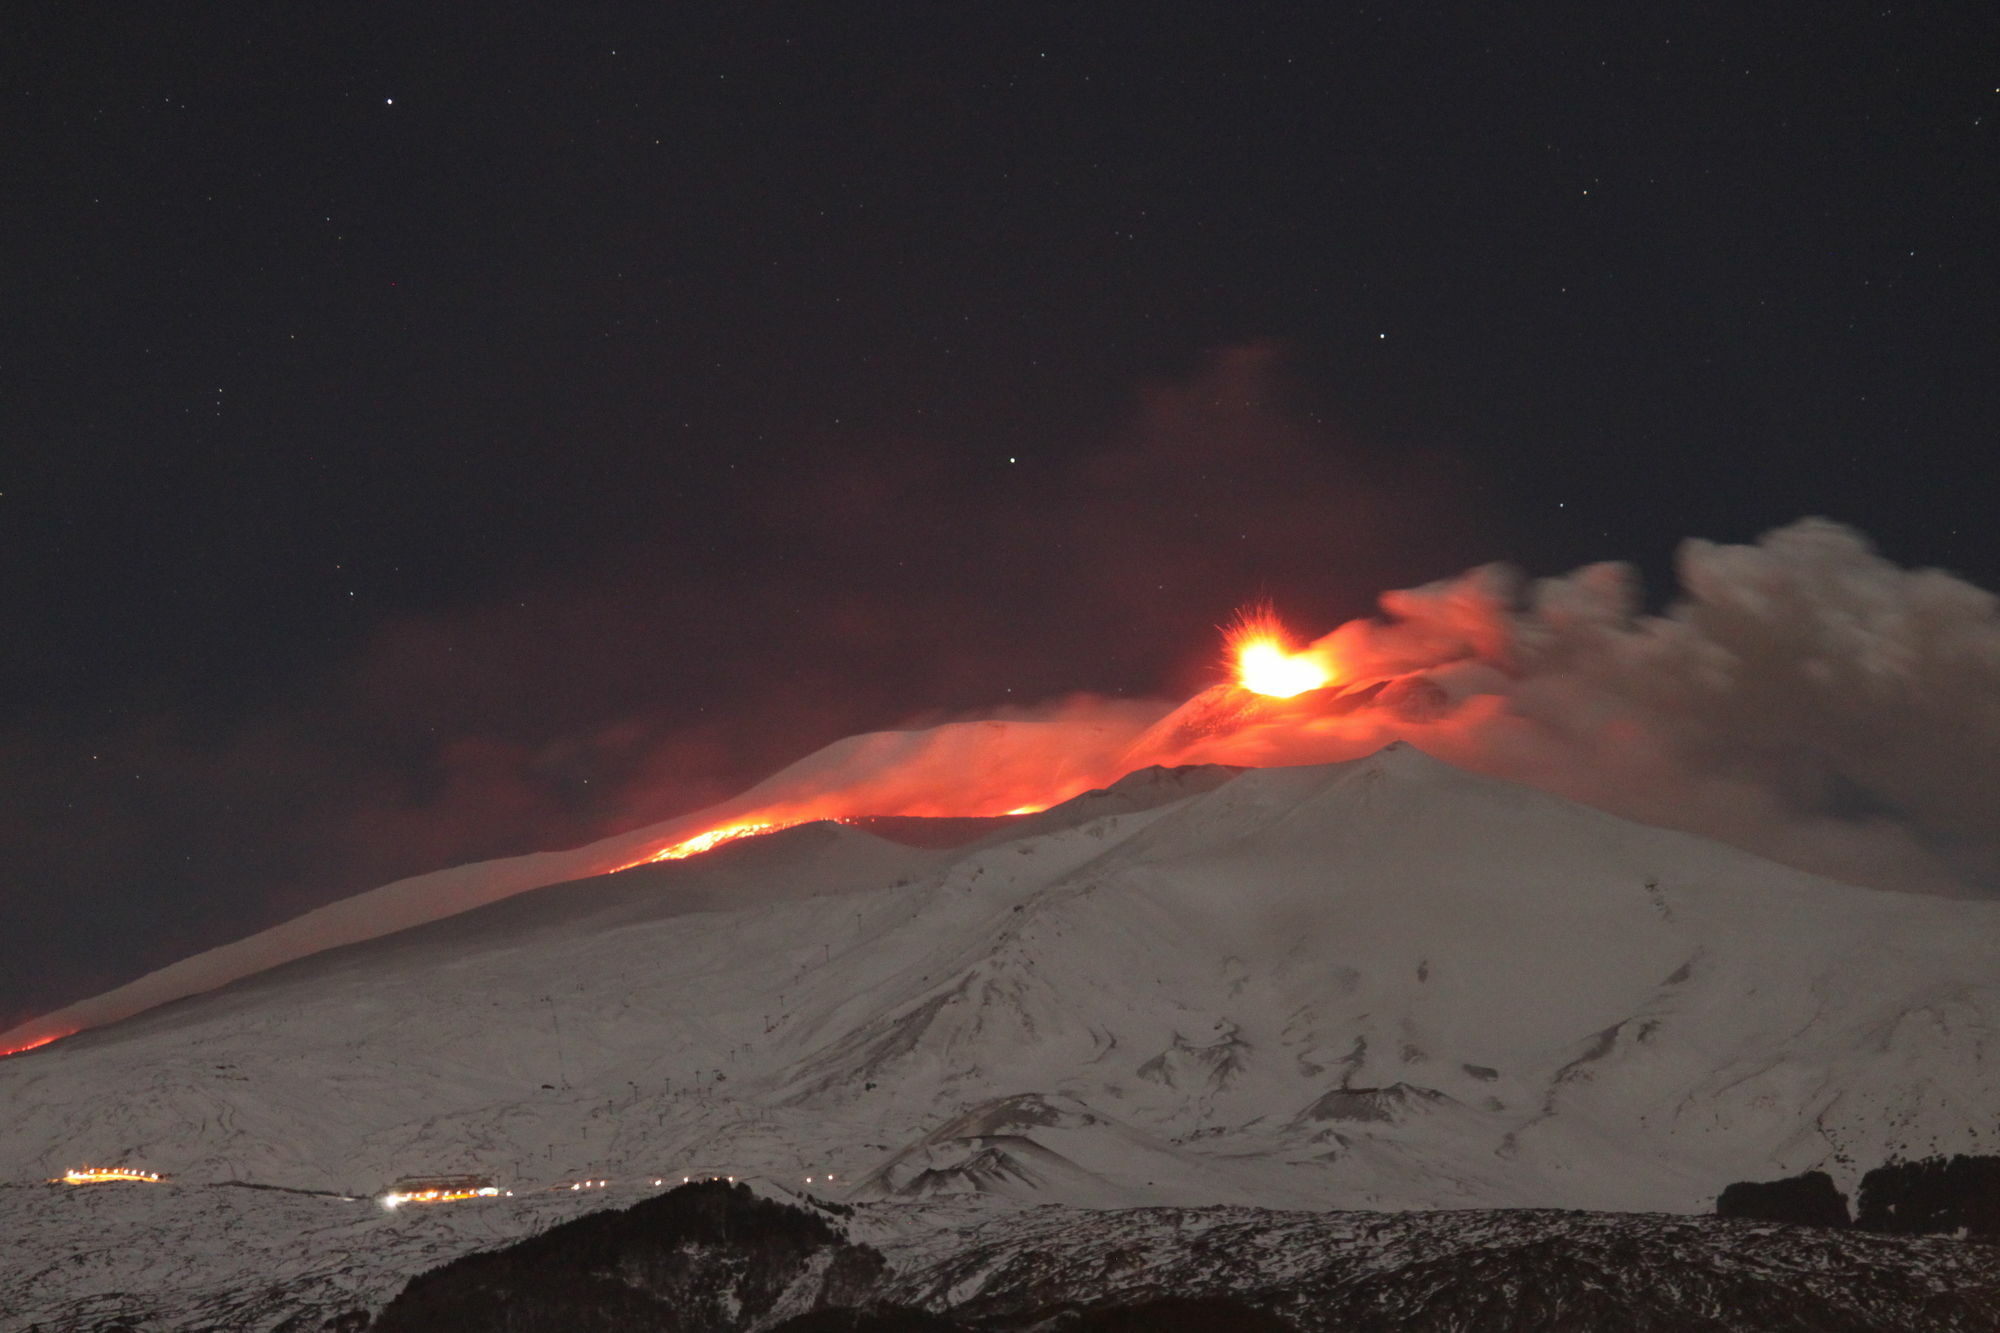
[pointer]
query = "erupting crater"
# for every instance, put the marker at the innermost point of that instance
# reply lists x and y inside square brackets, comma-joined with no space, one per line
[1267,664]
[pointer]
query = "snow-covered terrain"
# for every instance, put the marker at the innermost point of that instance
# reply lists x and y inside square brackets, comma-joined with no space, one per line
[1379,984]
[1415,1272]
[229,1257]
[232,1257]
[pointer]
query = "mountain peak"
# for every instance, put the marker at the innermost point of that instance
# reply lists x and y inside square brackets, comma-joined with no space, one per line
[1381,982]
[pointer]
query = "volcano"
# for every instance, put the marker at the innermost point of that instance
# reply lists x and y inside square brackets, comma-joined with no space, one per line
[1383,984]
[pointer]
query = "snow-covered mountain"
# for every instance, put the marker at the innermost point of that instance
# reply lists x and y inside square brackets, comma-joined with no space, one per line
[1385,983]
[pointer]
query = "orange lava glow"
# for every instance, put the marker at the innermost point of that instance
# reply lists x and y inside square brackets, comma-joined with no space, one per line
[1276,701]
[703,842]
[34,1045]
[1266,663]
[1263,662]
[98,1175]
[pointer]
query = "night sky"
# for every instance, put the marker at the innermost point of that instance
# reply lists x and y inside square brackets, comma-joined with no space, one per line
[432,432]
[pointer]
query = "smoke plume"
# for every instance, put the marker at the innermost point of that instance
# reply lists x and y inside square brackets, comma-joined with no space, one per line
[1803,698]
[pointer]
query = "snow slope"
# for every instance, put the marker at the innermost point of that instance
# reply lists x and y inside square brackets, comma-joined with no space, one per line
[875,773]
[1385,983]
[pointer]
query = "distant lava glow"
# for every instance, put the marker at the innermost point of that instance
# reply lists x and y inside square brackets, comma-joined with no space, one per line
[1265,662]
[751,828]
[36,1044]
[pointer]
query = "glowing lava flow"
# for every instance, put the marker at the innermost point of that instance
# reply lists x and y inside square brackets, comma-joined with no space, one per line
[1265,663]
[1270,705]
[36,1044]
[715,837]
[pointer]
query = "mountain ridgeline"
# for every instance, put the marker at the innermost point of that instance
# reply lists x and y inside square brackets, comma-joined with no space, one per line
[1381,1039]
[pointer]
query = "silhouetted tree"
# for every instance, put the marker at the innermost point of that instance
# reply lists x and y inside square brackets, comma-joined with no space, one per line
[1809,1200]
[1933,1196]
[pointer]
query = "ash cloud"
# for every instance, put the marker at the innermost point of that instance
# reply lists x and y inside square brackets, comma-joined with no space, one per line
[1803,698]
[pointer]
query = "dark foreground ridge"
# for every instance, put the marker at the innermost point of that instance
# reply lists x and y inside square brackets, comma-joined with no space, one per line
[717,1258]
[705,1256]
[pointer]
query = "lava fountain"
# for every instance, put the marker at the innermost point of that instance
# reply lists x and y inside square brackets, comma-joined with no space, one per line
[1267,664]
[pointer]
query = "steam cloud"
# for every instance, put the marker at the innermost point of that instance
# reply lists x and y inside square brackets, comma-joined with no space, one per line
[1804,699]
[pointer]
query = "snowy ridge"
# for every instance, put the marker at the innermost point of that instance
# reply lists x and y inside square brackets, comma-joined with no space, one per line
[1385,982]
[1361,1272]
[856,765]
[1379,984]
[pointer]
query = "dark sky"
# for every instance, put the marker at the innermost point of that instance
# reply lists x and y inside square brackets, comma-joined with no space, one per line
[431,432]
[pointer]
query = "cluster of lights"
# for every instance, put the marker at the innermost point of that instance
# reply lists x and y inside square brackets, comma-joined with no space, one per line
[97,1175]
[395,1200]
[92,1175]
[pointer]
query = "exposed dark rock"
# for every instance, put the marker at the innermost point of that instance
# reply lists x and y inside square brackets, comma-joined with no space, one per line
[1809,1200]
[1393,1103]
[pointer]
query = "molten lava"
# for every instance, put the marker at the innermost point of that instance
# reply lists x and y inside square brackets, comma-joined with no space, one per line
[36,1044]
[703,842]
[1265,662]
[1276,702]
